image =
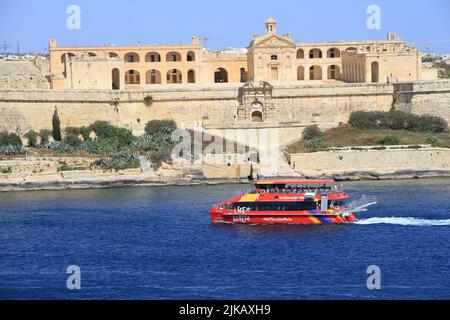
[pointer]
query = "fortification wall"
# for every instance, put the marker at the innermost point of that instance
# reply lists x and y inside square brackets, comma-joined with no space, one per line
[188,105]
[212,106]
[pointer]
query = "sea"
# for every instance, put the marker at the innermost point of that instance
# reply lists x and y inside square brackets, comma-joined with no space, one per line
[159,243]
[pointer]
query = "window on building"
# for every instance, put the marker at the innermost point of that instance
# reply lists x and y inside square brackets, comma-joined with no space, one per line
[274,57]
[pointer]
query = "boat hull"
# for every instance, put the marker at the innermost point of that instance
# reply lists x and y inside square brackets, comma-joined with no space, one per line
[303,218]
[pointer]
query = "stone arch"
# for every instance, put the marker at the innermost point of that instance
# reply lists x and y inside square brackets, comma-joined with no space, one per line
[375,71]
[132,77]
[112,55]
[190,56]
[333,72]
[221,75]
[153,57]
[191,76]
[300,54]
[315,73]
[257,116]
[91,54]
[115,77]
[153,76]
[66,55]
[174,76]
[301,73]
[349,49]
[131,57]
[333,53]
[315,53]
[173,56]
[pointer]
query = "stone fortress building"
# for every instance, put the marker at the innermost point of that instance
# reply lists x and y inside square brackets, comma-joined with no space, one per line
[271,57]
[274,83]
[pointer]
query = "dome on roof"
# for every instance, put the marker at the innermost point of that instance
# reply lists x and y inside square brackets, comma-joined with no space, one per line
[271,20]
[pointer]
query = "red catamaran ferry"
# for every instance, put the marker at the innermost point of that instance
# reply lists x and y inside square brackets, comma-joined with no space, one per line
[290,202]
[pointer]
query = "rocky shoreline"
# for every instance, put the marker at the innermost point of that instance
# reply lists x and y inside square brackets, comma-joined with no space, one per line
[115,181]
[372,175]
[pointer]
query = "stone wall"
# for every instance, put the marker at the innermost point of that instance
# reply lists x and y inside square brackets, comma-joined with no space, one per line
[212,106]
[379,161]
[425,97]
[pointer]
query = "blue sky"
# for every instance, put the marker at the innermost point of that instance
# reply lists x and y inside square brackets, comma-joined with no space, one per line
[228,23]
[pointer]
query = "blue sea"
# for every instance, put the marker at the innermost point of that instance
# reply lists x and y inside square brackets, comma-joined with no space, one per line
[159,243]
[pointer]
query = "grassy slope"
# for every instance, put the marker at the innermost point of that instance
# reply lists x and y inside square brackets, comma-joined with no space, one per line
[347,136]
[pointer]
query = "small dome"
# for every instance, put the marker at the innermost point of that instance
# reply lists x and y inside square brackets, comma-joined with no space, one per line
[271,20]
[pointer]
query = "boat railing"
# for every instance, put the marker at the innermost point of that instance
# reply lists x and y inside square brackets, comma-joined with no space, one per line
[359,204]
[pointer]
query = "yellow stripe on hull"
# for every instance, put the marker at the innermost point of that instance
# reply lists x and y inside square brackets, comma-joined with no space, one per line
[315,220]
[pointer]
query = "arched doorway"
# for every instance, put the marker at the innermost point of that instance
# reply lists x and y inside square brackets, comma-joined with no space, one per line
[221,76]
[375,72]
[301,73]
[173,56]
[315,73]
[65,56]
[190,56]
[174,76]
[131,57]
[115,79]
[257,116]
[153,76]
[315,53]
[333,53]
[153,57]
[132,77]
[300,54]
[333,72]
[191,76]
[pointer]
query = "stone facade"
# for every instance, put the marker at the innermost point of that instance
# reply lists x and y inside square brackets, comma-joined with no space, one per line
[293,106]
[270,57]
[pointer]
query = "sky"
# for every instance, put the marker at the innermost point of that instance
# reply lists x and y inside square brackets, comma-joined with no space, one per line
[227,23]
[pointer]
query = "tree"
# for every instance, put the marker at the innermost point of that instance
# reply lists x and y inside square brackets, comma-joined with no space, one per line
[56,132]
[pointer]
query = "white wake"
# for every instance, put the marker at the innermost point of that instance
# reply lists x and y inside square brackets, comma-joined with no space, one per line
[405,221]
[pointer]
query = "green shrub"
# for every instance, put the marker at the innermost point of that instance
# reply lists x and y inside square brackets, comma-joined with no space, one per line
[9,139]
[433,140]
[389,140]
[32,137]
[315,144]
[104,130]
[397,120]
[45,136]
[84,131]
[72,139]
[428,123]
[148,101]
[160,126]
[103,146]
[56,124]
[65,167]
[311,132]
[59,147]
[6,170]
[10,150]
[122,160]
[363,120]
